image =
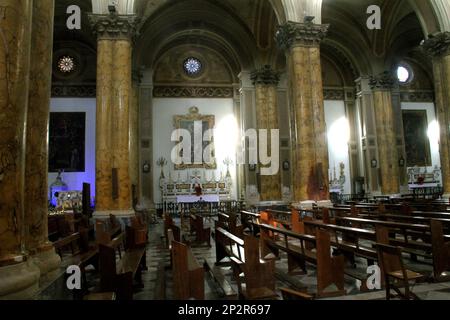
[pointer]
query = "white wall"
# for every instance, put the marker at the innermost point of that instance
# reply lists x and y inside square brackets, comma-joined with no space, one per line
[75,180]
[433,128]
[164,109]
[338,130]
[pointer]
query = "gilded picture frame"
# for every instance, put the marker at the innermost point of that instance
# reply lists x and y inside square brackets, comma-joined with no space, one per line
[187,122]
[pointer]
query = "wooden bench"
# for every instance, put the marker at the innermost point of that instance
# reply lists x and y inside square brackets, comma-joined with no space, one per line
[330,270]
[137,233]
[247,219]
[229,223]
[118,267]
[104,232]
[248,268]
[202,234]
[82,255]
[188,275]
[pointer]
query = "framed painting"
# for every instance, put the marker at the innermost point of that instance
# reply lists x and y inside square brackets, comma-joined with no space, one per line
[417,145]
[189,122]
[67,134]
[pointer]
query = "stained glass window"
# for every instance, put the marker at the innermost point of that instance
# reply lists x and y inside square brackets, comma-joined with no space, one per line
[192,66]
[66,64]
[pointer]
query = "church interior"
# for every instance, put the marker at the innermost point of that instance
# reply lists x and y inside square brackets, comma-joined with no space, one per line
[225,150]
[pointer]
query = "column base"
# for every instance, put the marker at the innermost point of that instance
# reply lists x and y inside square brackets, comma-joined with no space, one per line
[446,196]
[47,261]
[19,281]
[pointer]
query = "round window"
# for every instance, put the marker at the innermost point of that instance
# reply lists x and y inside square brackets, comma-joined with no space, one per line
[403,74]
[192,66]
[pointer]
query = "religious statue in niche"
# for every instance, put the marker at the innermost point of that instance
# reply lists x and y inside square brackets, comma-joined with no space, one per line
[199,128]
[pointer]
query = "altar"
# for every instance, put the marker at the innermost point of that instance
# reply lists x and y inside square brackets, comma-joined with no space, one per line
[212,198]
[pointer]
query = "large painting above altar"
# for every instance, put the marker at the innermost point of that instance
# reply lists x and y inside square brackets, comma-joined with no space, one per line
[200,149]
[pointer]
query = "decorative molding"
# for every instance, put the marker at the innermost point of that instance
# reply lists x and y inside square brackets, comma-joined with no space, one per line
[265,76]
[81,91]
[192,92]
[114,26]
[384,81]
[333,94]
[293,34]
[437,44]
[417,96]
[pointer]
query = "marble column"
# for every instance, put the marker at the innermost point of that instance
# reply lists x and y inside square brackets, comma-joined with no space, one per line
[19,275]
[309,150]
[113,177]
[438,46]
[36,168]
[266,81]
[381,86]
[134,133]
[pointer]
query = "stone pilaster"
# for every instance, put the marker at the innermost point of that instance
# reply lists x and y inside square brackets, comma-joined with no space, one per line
[438,46]
[381,86]
[265,81]
[19,276]
[36,204]
[114,92]
[310,151]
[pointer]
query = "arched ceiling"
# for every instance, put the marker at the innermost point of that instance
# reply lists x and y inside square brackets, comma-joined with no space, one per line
[242,30]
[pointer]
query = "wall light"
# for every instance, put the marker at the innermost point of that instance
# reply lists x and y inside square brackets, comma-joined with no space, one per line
[374,163]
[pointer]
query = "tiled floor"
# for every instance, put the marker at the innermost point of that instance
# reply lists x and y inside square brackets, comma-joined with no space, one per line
[157,254]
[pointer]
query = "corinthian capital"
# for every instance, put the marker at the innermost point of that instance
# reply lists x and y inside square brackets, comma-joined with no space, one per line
[266,75]
[114,26]
[300,34]
[437,44]
[384,81]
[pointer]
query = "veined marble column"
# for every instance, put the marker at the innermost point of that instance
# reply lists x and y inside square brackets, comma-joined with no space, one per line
[266,81]
[386,134]
[113,184]
[103,175]
[121,114]
[439,47]
[134,133]
[310,150]
[36,169]
[19,275]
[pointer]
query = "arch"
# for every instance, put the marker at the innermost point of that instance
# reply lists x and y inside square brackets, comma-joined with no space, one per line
[434,15]
[198,21]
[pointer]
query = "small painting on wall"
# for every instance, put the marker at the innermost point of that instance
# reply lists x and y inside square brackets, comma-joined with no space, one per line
[417,145]
[67,135]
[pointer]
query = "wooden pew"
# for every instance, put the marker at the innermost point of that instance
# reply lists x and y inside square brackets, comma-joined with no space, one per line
[330,270]
[104,233]
[117,275]
[82,255]
[229,223]
[247,219]
[441,252]
[188,275]
[202,234]
[244,255]
[137,234]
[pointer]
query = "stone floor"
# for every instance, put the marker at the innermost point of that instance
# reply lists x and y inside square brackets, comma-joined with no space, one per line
[157,255]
